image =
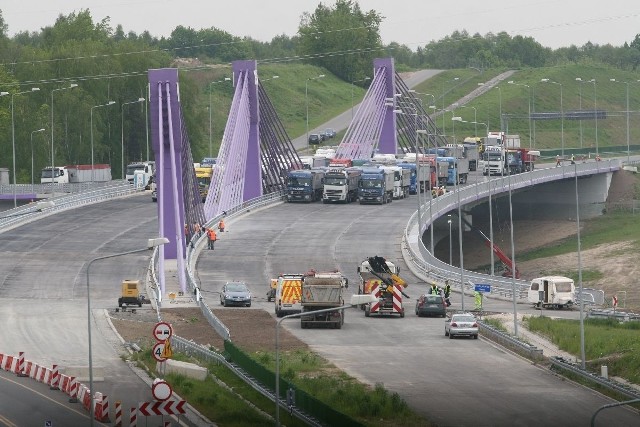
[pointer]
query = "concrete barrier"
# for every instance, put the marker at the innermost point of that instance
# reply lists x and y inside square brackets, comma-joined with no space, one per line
[82,372]
[189,370]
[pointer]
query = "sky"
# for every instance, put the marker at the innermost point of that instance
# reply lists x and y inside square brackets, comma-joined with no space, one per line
[414,23]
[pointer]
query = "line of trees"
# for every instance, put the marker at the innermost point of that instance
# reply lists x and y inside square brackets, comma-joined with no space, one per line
[111,65]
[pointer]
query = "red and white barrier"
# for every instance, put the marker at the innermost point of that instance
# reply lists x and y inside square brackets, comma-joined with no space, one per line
[20,363]
[101,408]
[53,382]
[133,418]
[118,416]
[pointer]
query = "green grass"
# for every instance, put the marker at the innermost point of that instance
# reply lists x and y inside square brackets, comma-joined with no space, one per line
[607,342]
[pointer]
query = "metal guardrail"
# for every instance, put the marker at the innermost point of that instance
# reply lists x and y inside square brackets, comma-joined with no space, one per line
[529,351]
[612,385]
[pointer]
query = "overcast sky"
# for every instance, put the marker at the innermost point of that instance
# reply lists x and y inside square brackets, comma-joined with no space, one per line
[557,23]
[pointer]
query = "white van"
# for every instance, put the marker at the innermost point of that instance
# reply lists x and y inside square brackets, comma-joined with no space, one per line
[552,291]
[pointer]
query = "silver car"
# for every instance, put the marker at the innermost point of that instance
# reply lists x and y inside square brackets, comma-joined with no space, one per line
[462,324]
[235,293]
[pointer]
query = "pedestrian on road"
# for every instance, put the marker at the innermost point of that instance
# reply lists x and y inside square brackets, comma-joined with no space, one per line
[447,293]
[211,233]
[221,225]
[557,160]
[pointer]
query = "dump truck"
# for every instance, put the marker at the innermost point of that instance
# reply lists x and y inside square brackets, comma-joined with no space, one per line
[305,185]
[322,291]
[380,278]
[341,185]
[376,186]
[130,293]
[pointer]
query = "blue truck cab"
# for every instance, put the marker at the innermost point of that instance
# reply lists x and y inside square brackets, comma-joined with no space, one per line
[376,186]
[305,185]
[411,167]
[458,170]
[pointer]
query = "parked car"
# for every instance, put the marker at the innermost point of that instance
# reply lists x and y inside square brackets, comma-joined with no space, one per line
[235,293]
[463,324]
[329,133]
[315,138]
[430,305]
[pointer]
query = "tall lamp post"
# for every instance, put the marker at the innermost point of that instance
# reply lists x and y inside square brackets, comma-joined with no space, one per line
[628,146]
[511,82]
[579,80]
[71,86]
[455,79]
[306,101]
[500,104]
[91,115]
[582,352]
[32,132]
[595,111]
[561,112]
[356,300]
[475,119]
[226,79]
[356,81]
[122,132]
[13,142]
[425,132]
[151,243]
[450,246]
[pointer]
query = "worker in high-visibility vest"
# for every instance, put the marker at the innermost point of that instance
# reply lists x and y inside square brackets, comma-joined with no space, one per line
[211,233]
[221,225]
[478,300]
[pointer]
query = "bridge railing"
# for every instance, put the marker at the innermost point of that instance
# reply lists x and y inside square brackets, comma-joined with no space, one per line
[431,268]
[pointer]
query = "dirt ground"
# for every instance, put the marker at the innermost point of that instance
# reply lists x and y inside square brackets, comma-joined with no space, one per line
[254,329]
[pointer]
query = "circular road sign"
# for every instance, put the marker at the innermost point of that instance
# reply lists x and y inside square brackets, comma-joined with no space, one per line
[157,352]
[162,331]
[161,390]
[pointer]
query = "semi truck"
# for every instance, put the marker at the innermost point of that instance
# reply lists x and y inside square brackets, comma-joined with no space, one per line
[139,173]
[381,278]
[287,295]
[401,181]
[376,186]
[501,160]
[76,174]
[458,170]
[341,185]
[322,291]
[60,175]
[305,185]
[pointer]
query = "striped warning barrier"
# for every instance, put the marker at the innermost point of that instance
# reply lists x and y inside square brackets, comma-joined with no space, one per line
[53,381]
[73,390]
[63,383]
[28,368]
[101,408]
[118,416]
[133,417]
[9,363]
[20,363]
[84,396]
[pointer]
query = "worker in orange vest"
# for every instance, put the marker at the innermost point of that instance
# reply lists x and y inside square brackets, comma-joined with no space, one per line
[211,233]
[221,225]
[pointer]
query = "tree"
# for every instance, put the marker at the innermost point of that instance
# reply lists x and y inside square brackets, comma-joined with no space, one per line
[342,39]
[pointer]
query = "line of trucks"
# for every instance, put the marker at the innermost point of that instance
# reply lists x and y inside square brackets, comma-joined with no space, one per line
[312,291]
[382,179]
[503,155]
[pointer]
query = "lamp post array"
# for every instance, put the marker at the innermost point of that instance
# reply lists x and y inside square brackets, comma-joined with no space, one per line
[561,112]
[226,79]
[13,142]
[356,81]
[32,132]
[91,116]
[71,86]
[122,133]
[306,102]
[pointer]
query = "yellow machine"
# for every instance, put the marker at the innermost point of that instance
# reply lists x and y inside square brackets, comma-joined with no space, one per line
[203,175]
[130,294]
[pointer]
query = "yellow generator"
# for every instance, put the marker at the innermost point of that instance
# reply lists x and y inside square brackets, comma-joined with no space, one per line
[130,293]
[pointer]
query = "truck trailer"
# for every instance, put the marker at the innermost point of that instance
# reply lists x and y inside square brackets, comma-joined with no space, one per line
[552,291]
[322,291]
[341,185]
[401,181]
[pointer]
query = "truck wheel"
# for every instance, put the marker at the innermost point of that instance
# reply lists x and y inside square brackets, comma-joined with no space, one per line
[367,312]
[402,313]
[338,325]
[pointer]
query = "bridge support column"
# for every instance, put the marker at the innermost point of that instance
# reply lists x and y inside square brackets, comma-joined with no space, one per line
[388,136]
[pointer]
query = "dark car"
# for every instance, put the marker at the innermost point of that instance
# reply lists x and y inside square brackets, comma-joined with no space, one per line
[431,305]
[235,293]
[315,139]
[329,133]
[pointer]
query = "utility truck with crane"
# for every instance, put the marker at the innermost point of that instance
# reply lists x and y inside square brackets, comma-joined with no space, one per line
[380,278]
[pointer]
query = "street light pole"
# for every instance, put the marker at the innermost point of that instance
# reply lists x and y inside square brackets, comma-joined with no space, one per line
[500,103]
[356,300]
[628,147]
[578,79]
[152,243]
[561,112]
[595,111]
[529,89]
[71,86]
[582,352]
[226,79]
[91,116]
[32,132]
[450,247]
[306,101]
[122,133]
[13,143]
[356,81]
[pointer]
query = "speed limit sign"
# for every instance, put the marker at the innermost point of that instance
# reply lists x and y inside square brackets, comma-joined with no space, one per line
[158,351]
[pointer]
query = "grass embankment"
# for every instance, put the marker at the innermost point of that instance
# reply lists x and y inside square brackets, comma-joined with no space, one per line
[309,372]
[607,342]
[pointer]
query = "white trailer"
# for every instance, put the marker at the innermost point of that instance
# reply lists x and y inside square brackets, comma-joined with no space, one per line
[401,181]
[552,291]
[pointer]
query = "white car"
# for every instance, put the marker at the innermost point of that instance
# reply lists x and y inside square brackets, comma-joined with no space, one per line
[462,324]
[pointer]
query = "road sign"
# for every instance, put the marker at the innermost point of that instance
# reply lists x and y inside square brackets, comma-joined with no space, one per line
[482,288]
[167,352]
[161,389]
[157,351]
[162,331]
[169,407]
